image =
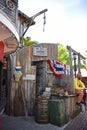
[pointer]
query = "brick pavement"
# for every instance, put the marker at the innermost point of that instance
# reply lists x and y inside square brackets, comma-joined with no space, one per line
[79,122]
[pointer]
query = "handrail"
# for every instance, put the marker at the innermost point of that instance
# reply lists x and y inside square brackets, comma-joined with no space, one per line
[77,53]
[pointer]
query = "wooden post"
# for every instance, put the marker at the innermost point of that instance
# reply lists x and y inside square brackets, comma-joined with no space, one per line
[32,20]
[78,62]
[70,57]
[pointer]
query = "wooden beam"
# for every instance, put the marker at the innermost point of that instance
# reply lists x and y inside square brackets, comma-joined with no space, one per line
[81,56]
[32,19]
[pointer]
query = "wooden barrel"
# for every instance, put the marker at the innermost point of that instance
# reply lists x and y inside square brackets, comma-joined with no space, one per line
[41,111]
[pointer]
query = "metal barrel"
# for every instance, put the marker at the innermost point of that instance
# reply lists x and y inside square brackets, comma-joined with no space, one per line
[56,112]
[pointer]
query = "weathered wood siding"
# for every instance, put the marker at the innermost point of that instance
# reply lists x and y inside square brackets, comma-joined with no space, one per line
[52,52]
[45,75]
[37,73]
[12,14]
[84,79]
[28,81]
[66,82]
[30,91]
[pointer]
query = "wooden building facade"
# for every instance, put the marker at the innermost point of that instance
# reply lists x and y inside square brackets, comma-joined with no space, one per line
[36,75]
[33,61]
[9,38]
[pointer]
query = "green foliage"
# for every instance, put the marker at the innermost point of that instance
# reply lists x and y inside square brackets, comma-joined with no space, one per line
[85,53]
[63,55]
[82,65]
[27,41]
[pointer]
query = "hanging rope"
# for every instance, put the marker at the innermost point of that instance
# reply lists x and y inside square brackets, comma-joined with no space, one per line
[44,18]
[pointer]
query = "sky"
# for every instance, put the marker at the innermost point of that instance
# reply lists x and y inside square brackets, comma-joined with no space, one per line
[66,22]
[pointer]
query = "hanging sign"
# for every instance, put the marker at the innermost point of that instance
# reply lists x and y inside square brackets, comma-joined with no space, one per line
[1,50]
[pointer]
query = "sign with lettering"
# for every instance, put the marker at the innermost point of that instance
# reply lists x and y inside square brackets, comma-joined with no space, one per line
[29,77]
[39,51]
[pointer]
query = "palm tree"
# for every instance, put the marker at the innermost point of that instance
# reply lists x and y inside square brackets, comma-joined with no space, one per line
[27,41]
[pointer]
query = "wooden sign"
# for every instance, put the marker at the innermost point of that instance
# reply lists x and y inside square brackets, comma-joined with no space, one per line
[39,51]
[29,77]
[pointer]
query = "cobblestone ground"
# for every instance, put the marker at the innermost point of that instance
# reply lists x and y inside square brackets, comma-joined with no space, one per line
[21,123]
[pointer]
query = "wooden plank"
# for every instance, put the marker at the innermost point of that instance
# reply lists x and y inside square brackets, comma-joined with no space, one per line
[30,94]
[39,51]
[24,102]
[29,77]
[52,52]
[72,110]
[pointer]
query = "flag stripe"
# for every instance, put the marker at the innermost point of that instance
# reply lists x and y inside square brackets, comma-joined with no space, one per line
[57,67]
